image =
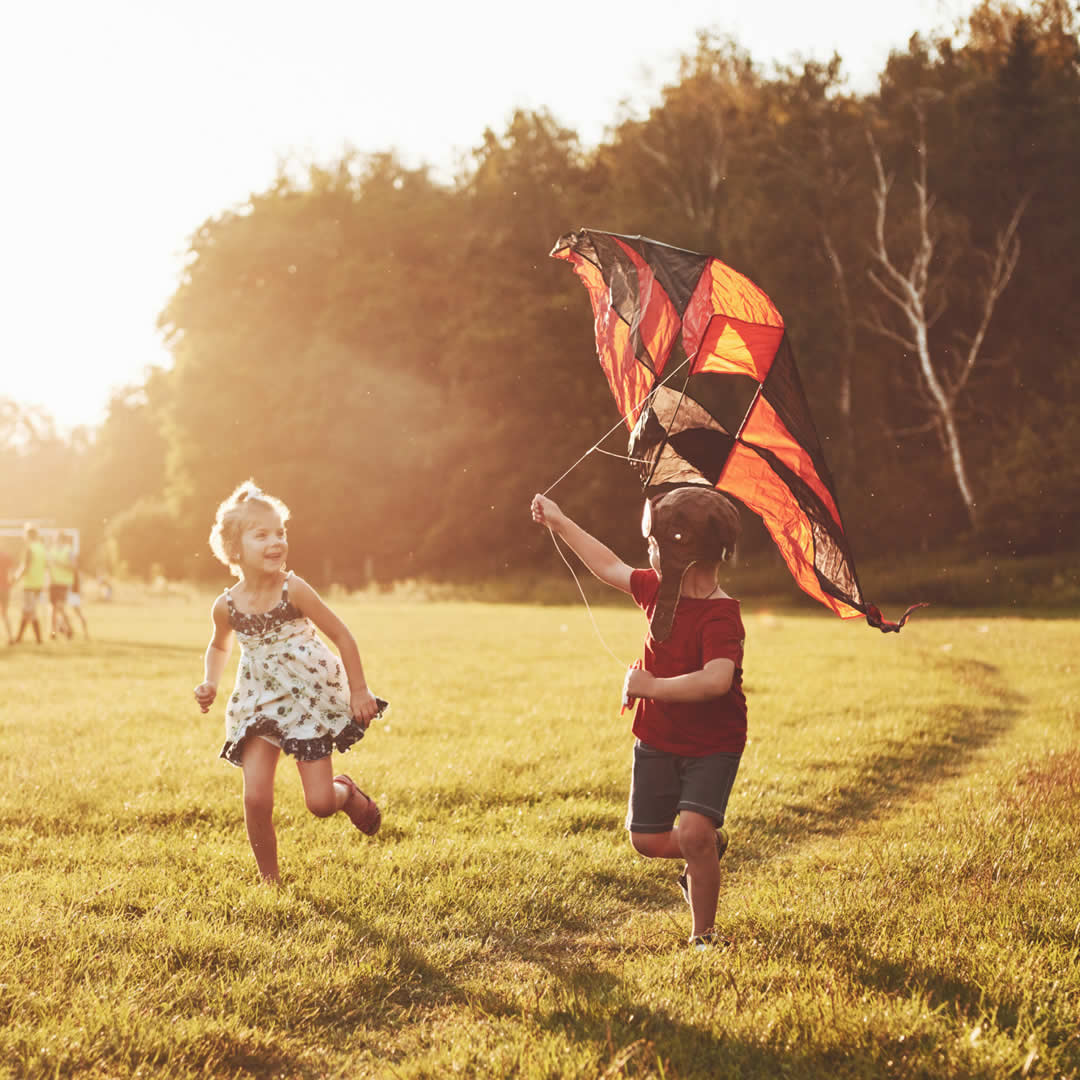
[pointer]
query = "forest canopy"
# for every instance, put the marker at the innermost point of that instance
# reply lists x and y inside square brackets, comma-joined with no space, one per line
[398,359]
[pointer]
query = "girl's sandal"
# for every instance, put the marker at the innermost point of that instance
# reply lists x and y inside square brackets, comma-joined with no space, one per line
[366,817]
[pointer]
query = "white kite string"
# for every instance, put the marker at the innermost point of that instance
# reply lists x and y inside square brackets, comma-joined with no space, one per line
[585,600]
[596,447]
[622,420]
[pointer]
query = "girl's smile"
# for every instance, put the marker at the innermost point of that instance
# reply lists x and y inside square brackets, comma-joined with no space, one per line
[263,543]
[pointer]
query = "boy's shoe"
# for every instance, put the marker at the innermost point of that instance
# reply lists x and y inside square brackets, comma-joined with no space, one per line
[721,847]
[361,809]
[708,940]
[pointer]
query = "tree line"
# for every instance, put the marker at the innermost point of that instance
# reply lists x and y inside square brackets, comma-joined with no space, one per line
[397,358]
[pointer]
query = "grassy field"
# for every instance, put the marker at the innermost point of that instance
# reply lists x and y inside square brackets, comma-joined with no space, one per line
[902,891]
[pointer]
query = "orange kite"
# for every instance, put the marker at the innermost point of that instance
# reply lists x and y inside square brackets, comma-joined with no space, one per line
[700,366]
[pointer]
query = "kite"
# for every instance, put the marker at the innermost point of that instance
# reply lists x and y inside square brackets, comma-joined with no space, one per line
[739,421]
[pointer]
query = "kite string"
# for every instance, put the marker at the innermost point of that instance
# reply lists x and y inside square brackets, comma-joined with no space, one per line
[621,420]
[596,447]
[622,664]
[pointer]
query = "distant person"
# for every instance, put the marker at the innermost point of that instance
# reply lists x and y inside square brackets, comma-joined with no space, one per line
[292,693]
[31,573]
[61,575]
[7,570]
[75,599]
[690,717]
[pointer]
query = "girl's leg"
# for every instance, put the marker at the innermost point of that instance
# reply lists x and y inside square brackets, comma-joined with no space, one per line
[322,795]
[259,764]
[697,843]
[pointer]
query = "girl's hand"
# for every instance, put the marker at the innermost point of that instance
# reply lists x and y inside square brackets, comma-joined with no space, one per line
[204,694]
[364,706]
[546,511]
[638,684]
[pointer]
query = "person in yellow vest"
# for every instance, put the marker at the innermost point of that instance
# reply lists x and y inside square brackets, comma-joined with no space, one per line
[32,575]
[61,576]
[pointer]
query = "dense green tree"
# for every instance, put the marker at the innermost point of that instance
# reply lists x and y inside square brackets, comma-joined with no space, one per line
[399,359]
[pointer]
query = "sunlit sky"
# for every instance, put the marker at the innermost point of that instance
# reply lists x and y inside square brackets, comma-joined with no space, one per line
[126,123]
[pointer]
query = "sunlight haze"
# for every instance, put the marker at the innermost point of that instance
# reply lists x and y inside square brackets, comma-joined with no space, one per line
[128,124]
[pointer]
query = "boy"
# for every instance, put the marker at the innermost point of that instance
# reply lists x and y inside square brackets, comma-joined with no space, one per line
[690,717]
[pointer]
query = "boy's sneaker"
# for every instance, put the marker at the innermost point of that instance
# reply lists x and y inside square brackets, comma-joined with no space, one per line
[701,942]
[721,847]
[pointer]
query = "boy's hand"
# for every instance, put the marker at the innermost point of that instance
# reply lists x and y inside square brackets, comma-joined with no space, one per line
[638,684]
[546,511]
[204,694]
[364,706]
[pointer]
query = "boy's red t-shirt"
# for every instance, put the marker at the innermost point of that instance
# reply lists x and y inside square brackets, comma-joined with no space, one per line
[702,630]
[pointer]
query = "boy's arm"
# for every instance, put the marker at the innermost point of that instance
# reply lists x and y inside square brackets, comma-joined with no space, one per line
[217,654]
[712,681]
[598,557]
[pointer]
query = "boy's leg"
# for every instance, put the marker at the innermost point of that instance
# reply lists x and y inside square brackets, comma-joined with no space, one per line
[260,760]
[706,788]
[696,836]
[322,795]
[655,789]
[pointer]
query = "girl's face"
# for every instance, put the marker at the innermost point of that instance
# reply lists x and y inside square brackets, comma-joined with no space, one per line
[263,544]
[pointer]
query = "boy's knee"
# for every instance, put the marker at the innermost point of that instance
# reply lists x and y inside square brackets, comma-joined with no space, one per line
[647,844]
[697,838]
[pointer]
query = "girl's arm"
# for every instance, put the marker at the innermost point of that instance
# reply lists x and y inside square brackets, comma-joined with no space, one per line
[309,603]
[600,559]
[217,654]
[712,681]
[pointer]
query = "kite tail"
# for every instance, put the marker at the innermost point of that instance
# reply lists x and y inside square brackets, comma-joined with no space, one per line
[876,619]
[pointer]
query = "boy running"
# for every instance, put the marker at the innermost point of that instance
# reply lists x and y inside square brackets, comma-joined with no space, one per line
[690,716]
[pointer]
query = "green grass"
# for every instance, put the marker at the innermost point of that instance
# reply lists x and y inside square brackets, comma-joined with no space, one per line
[902,891]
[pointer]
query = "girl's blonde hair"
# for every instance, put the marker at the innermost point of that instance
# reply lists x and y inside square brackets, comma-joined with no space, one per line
[233,514]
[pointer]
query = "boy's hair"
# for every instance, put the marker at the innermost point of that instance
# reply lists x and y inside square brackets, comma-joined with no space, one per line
[233,514]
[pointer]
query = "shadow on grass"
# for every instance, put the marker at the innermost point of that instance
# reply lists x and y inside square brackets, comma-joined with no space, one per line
[869,789]
[897,769]
[636,1039]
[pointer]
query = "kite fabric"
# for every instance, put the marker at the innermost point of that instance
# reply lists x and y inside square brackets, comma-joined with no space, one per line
[700,366]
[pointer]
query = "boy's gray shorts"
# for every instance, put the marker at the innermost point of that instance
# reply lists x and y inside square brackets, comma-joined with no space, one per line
[664,784]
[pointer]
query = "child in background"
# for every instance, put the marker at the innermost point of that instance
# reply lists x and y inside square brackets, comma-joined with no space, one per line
[75,599]
[690,716]
[32,575]
[61,574]
[292,693]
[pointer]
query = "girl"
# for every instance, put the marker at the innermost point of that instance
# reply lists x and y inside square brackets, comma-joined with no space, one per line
[291,693]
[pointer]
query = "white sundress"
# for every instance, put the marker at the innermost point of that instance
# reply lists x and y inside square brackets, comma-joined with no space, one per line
[290,686]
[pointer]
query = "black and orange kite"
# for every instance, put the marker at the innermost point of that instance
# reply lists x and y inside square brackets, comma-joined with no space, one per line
[701,369]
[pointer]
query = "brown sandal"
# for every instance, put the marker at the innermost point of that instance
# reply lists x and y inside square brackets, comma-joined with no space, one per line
[367,817]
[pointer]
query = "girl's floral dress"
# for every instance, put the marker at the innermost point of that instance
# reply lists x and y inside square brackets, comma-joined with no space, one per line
[290,686]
